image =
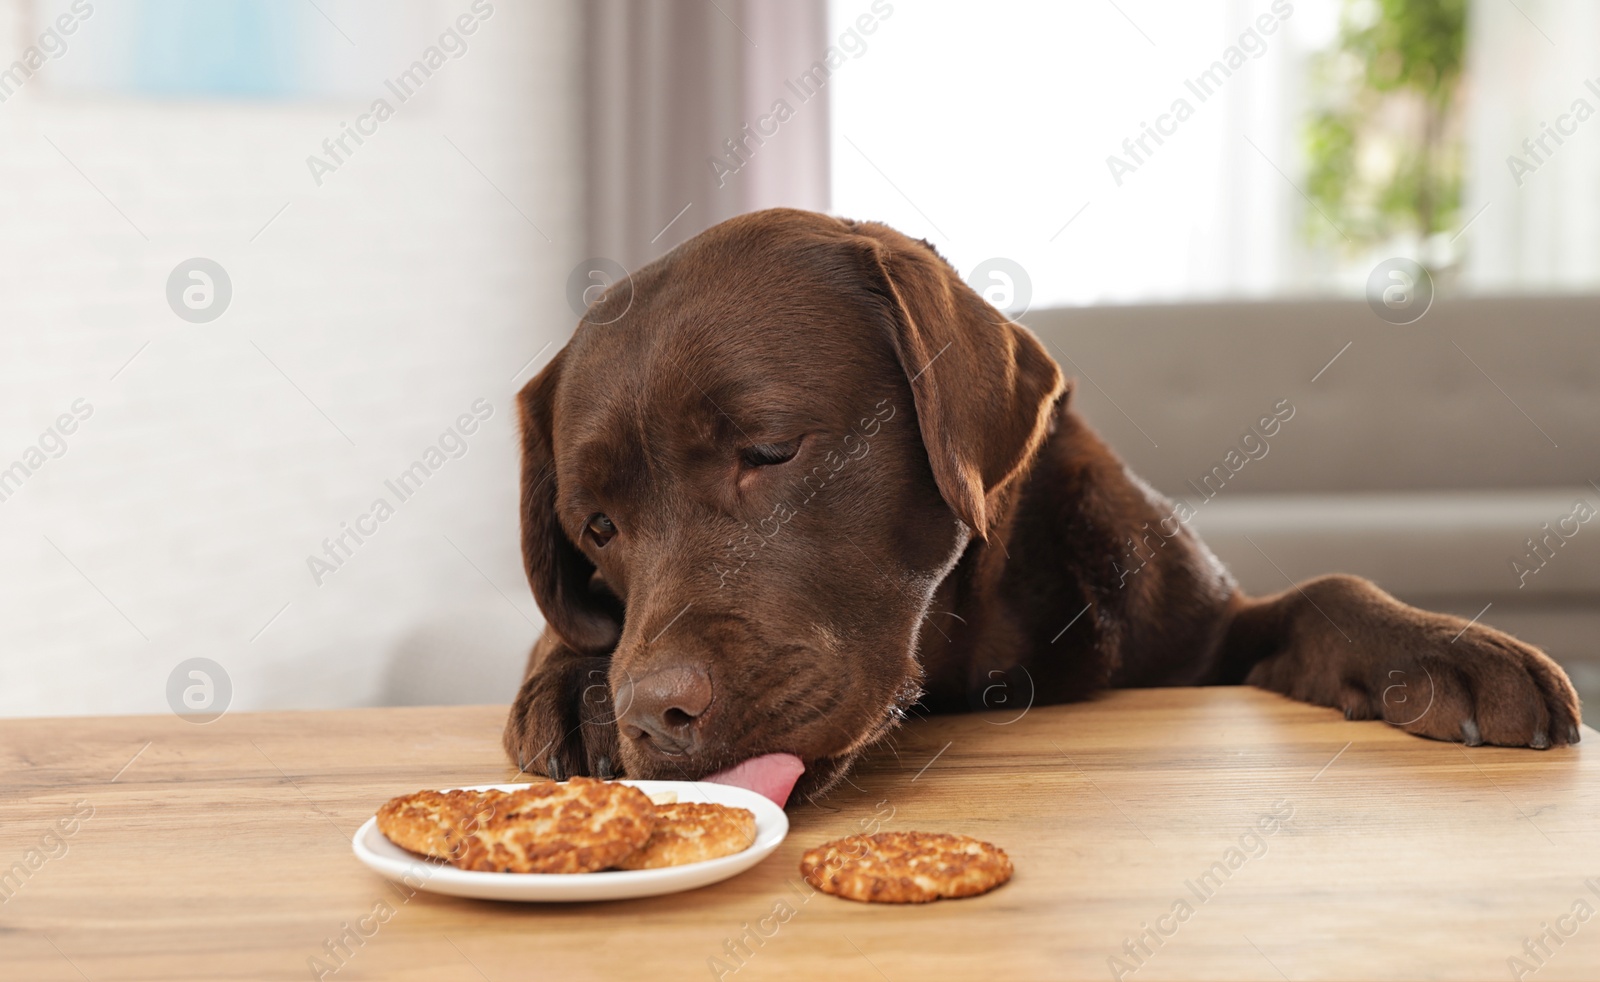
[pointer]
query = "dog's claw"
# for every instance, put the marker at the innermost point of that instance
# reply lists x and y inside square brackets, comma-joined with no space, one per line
[1470,735]
[1540,741]
[603,769]
[556,771]
[1349,713]
[1572,733]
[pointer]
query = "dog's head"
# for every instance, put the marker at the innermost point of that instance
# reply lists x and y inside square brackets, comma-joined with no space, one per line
[747,472]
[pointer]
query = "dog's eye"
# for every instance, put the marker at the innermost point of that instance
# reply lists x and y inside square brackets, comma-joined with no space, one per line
[602,528]
[768,454]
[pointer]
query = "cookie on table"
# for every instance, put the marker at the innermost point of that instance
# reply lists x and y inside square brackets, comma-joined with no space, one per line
[905,867]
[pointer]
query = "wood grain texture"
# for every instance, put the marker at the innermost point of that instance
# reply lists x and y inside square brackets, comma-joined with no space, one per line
[222,852]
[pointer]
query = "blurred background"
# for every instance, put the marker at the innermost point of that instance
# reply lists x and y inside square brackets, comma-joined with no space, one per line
[271,272]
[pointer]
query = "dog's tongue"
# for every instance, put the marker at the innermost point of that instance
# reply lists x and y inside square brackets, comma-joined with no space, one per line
[770,775]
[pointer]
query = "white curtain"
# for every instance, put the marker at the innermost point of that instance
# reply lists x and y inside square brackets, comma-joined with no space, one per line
[669,84]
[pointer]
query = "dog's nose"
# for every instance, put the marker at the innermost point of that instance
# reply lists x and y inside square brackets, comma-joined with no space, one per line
[664,706]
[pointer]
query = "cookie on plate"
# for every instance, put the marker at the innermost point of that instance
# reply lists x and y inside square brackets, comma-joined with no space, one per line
[433,823]
[905,867]
[689,832]
[579,826]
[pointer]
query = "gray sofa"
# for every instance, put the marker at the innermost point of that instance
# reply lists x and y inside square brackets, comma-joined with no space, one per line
[1424,457]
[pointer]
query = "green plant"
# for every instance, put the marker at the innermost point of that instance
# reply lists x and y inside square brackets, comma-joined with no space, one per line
[1384,145]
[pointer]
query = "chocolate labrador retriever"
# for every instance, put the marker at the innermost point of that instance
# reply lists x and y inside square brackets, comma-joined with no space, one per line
[796,477]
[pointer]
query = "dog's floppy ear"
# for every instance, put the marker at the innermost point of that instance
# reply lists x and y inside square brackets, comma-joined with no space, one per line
[984,387]
[559,574]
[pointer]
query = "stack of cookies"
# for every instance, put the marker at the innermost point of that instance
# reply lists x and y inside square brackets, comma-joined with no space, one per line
[580,826]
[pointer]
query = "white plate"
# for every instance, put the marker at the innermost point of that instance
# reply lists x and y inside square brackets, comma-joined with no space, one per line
[377,852]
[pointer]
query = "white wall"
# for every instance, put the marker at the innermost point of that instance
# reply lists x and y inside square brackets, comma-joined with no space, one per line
[409,285]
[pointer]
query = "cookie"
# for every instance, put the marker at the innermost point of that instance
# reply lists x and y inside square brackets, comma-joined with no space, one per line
[433,823]
[905,867]
[579,826]
[691,833]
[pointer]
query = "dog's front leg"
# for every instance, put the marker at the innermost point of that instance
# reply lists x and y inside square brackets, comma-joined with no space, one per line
[563,722]
[1340,641]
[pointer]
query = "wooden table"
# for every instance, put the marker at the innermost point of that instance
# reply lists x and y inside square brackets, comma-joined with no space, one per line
[222,851]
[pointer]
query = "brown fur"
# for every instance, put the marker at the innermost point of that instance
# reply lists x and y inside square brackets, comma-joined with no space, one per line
[947,515]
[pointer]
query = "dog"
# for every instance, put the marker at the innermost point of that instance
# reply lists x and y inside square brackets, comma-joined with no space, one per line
[795,478]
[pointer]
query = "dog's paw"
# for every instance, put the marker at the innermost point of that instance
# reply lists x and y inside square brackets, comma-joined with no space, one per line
[1472,686]
[563,723]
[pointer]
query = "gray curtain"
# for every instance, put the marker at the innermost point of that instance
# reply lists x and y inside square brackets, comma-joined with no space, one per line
[697,111]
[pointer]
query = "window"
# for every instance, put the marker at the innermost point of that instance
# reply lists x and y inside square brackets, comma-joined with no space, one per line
[230,49]
[1160,150]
